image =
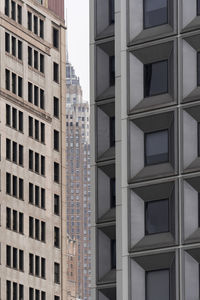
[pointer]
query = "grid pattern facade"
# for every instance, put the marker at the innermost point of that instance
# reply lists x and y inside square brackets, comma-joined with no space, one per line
[32,197]
[154,97]
[78,180]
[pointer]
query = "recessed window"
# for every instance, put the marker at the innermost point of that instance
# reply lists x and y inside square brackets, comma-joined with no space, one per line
[156,78]
[113,254]
[112,193]
[112,70]
[156,216]
[158,285]
[155,13]
[111,12]
[55,72]
[55,38]
[198,68]
[156,147]
[198,7]
[112,131]
[56,107]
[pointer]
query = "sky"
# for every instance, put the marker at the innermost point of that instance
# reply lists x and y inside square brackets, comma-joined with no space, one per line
[77,21]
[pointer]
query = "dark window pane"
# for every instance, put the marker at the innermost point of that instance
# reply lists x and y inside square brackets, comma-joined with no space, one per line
[155,13]
[198,68]
[7,42]
[7,3]
[20,50]
[21,123]
[157,216]
[156,78]
[198,7]
[112,131]
[112,70]
[156,147]
[13,10]
[112,193]
[113,254]
[42,29]
[56,107]
[55,38]
[19,14]
[29,21]
[157,285]
[111,11]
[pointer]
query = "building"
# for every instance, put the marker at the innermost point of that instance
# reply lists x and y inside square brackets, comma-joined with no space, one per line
[72,276]
[145,78]
[32,157]
[78,179]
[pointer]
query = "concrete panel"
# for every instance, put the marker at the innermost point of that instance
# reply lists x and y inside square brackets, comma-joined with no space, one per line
[189,139]
[189,69]
[191,277]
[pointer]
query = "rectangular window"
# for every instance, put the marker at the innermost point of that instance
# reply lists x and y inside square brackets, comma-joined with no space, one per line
[37,168]
[56,205]
[35,21]
[14,83]
[41,63]
[14,152]
[42,102]
[36,95]
[37,229]
[20,50]
[155,13]
[198,7]
[56,273]
[42,125]
[21,189]
[30,126]
[56,172]
[43,267]
[8,218]
[112,131]
[113,254]
[37,130]
[13,10]
[8,256]
[37,196]
[20,87]
[156,147]
[158,285]
[43,295]
[41,28]
[35,59]
[29,21]
[55,72]
[30,61]
[7,84]
[14,220]
[31,294]
[14,118]
[112,193]
[21,123]
[112,70]
[42,198]
[30,92]
[7,7]
[43,231]
[7,42]
[42,165]
[30,193]
[13,46]
[55,38]
[111,12]
[37,265]
[8,183]
[8,149]
[31,160]
[21,155]
[156,78]
[21,223]
[8,121]
[21,292]
[56,107]
[31,264]
[15,258]
[19,17]
[37,295]
[14,186]
[21,260]
[56,237]
[56,140]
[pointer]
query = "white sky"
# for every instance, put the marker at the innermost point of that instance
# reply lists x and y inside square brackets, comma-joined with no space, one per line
[78,40]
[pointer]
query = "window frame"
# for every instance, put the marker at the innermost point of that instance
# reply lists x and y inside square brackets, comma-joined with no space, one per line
[150,271]
[150,27]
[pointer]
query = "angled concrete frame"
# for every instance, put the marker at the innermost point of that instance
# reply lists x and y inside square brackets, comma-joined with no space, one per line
[138,197]
[189,20]
[152,262]
[136,32]
[154,52]
[107,293]
[103,29]
[137,128]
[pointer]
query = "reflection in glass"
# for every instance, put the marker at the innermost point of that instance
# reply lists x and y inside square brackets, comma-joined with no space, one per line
[156,78]
[156,147]
[155,13]
[156,216]
[158,285]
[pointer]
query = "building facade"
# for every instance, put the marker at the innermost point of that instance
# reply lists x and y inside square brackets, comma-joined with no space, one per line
[145,78]
[72,275]
[78,179]
[32,156]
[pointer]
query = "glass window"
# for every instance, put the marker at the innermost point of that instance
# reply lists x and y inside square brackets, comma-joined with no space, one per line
[112,131]
[113,254]
[112,193]
[156,147]
[111,12]
[198,68]
[112,70]
[156,78]
[155,13]
[198,7]
[156,216]
[199,139]
[157,285]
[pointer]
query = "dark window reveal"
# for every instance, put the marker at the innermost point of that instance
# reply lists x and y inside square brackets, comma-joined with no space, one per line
[113,253]
[198,68]
[156,147]
[111,12]
[112,193]
[198,7]
[112,70]
[156,216]
[158,285]
[155,13]
[112,131]
[156,78]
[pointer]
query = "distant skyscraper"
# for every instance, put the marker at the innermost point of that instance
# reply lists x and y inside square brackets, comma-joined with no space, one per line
[78,179]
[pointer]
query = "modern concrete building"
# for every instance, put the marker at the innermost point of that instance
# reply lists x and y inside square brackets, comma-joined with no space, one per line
[145,136]
[78,179]
[32,150]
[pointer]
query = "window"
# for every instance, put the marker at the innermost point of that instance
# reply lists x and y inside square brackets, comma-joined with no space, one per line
[156,216]
[31,227]
[198,67]
[42,102]
[14,258]
[56,172]
[36,95]
[21,223]
[113,254]
[21,124]
[14,152]
[8,256]
[37,265]
[43,231]
[111,12]
[8,290]
[7,7]
[21,189]
[7,42]
[42,165]
[14,220]
[8,183]
[156,78]
[8,218]
[112,193]
[30,126]
[19,14]
[55,38]
[21,260]
[13,10]
[198,7]
[56,107]
[30,193]
[37,197]
[30,62]
[30,92]
[21,155]
[43,267]
[56,273]
[31,294]
[14,189]
[20,89]
[35,59]
[156,147]
[35,26]
[155,13]
[31,160]
[42,198]
[36,129]
[13,46]
[20,50]
[7,79]
[37,229]
[158,285]
[13,83]
[56,237]
[56,205]
[29,21]
[8,149]
[42,63]
[43,295]
[8,121]
[55,72]
[41,28]
[112,70]
[56,140]
[31,264]
[42,125]
[36,162]
[112,131]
